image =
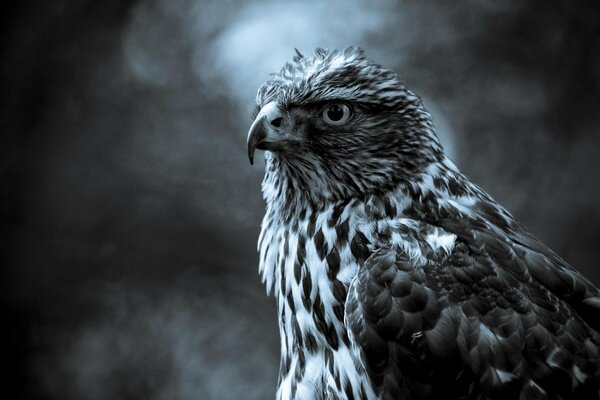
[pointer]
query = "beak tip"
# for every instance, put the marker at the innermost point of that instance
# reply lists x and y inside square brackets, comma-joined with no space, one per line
[251,150]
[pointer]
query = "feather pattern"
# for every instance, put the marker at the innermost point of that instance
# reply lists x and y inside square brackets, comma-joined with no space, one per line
[395,276]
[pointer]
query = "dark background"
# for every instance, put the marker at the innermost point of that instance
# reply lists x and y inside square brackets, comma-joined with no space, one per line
[129,210]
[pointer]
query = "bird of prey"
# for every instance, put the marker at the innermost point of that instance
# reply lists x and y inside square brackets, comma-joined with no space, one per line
[395,276]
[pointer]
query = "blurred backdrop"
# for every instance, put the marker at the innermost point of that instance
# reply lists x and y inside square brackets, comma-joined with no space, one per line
[130,213]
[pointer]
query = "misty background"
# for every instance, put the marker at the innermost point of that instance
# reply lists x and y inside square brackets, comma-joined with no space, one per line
[130,212]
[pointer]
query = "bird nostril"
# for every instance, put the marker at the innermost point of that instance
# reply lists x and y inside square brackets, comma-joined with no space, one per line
[276,122]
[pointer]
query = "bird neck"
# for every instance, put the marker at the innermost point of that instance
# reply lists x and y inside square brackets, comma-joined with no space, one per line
[290,193]
[426,197]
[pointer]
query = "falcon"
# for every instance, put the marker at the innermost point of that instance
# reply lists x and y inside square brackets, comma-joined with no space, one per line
[394,275]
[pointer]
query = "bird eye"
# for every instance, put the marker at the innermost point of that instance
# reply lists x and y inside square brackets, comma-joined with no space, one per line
[336,113]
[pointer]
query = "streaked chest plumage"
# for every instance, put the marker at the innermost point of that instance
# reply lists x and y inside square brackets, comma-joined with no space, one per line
[310,257]
[309,263]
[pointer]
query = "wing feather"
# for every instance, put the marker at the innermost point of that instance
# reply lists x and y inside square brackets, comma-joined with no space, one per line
[494,319]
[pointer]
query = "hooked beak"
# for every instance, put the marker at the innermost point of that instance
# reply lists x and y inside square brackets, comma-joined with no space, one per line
[265,132]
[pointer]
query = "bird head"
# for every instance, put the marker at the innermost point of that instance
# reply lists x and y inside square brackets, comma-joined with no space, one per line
[336,125]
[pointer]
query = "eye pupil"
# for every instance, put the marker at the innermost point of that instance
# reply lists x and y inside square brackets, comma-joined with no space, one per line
[335,112]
